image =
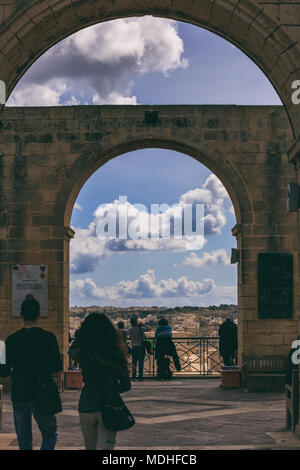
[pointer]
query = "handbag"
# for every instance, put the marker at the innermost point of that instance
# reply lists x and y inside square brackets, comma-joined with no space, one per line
[116,416]
[46,397]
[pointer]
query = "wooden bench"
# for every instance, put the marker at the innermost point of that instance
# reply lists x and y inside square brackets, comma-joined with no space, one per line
[292,401]
[264,373]
[1,405]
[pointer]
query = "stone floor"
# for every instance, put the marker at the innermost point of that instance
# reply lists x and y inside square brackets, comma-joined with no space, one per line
[181,415]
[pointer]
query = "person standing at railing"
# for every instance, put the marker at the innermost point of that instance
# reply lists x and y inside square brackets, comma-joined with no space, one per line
[137,337]
[164,347]
[124,335]
[228,341]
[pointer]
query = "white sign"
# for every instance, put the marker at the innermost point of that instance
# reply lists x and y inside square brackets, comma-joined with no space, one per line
[29,281]
[2,353]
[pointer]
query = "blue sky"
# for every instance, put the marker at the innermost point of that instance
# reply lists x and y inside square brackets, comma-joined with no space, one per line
[148,61]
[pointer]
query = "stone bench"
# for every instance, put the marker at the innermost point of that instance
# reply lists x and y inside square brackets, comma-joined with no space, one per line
[264,373]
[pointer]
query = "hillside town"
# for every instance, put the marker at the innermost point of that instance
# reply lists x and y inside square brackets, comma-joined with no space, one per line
[184,321]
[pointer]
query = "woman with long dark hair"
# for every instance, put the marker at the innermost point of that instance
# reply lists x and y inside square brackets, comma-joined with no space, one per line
[102,357]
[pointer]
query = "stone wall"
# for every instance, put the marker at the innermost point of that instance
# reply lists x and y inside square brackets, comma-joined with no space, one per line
[47,154]
[267,31]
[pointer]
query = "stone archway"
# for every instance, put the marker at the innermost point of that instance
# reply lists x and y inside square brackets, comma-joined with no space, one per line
[267,33]
[64,146]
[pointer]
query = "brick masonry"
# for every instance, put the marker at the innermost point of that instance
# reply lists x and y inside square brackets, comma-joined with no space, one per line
[47,154]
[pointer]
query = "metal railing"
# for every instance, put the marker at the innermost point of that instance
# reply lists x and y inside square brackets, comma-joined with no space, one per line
[199,357]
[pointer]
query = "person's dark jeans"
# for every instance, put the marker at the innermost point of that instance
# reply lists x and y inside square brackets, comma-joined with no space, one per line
[228,358]
[23,423]
[138,357]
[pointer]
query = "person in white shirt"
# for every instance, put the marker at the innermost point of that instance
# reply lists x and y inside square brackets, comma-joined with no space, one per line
[137,337]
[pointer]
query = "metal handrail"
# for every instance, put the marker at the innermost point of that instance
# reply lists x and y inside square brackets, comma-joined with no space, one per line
[198,355]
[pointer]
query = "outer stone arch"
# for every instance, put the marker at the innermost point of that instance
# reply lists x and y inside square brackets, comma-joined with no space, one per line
[31,27]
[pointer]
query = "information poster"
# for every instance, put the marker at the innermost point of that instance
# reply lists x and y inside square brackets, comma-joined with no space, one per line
[29,281]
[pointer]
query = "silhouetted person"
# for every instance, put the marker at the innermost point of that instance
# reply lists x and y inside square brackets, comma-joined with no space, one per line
[165,347]
[228,341]
[32,355]
[101,354]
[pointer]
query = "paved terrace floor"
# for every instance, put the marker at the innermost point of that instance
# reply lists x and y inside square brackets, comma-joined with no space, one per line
[181,415]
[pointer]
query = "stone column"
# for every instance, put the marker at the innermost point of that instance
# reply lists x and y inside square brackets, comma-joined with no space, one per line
[294,158]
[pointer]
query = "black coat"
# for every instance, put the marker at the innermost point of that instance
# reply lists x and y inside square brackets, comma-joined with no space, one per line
[101,382]
[228,337]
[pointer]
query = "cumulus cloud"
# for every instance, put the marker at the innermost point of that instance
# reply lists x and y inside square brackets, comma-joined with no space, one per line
[215,197]
[207,260]
[88,250]
[98,64]
[38,94]
[145,287]
[77,206]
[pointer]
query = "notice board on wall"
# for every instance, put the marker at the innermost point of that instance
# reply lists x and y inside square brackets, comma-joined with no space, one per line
[275,285]
[29,281]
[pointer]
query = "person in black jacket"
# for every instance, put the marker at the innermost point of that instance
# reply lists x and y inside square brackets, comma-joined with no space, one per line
[32,354]
[228,341]
[101,354]
[165,347]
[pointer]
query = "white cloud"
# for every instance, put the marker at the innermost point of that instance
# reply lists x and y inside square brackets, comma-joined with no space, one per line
[114,98]
[207,260]
[231,209]
[98,64]
[87,250]
[151,44]
[77,206]
[38,95]
[146,290]
[215,196]
[145,287]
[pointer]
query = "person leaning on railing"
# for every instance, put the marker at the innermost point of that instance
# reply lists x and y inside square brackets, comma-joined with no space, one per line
[164,346]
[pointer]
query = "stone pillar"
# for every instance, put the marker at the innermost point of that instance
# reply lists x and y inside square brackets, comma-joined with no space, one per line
[294,159]
[272,230]
[36,239]
[237,233]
